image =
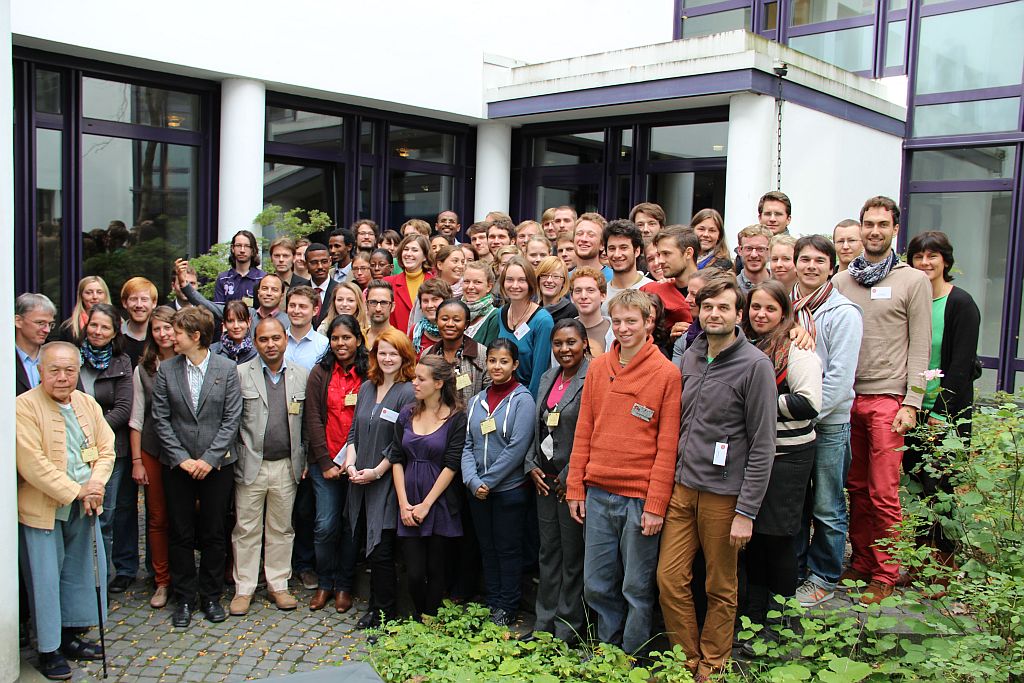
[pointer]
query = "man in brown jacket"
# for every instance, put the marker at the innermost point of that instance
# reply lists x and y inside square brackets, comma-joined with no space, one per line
[65,453]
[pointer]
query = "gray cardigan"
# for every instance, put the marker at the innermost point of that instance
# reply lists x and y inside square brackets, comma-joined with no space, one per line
[562,435]
[374,439]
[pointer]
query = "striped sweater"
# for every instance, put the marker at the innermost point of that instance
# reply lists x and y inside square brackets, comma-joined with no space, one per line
[799,402]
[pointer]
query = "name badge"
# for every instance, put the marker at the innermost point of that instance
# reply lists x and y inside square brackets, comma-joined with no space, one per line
[389,415]
[350,399]
[294,408]
[247,300]
[339,459]
[643,412]
[721,450]
[488,426]
[553,419]
[462,380]
[521,331]
[881,293]
[90,454]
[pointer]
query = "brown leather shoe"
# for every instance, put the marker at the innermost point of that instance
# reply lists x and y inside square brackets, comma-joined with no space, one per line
[852,574]
[283,600]
[160,596]
[320,599]
[239,606]
[875,592]
[343,601]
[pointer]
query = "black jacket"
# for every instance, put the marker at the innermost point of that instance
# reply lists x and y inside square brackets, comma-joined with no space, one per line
[113,391]
[959,357]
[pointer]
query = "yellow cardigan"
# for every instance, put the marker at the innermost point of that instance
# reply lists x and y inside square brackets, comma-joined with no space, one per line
[43,483]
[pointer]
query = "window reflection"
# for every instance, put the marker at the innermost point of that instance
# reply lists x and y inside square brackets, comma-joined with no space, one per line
[421,145]
[716,23]
[963,163]
[139,208]
[689,141]
[978,224]
[419,195]
[49,219]
[572,148]
[127,103]
[305,128]
[48,92]
[816,11]
[850,49]
[960,118]
[581,196]
[683,194]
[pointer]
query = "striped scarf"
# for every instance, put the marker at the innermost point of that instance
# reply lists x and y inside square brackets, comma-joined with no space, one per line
[804,307]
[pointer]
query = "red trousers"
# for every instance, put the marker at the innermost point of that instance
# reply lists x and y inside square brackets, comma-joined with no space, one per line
[873,484]
[156,520]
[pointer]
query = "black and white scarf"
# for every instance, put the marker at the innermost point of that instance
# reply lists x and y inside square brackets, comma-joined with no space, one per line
[870,274]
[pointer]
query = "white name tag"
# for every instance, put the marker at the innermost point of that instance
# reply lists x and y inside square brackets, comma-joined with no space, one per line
[881,293]
[721,450]
[389,415]
[643,412]
[339,459]
[521,331]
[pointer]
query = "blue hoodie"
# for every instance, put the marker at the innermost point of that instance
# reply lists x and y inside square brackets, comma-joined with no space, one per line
[838,330]
[496,459]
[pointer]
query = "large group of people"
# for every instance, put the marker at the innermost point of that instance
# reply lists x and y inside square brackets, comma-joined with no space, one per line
[628,410]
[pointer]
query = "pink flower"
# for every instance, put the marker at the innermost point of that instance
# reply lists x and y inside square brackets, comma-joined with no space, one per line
[929,375]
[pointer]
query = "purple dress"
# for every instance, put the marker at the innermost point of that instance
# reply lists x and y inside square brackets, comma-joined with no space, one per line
[423,462]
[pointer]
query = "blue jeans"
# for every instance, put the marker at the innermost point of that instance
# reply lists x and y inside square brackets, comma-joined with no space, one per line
[122,470]
[620,568]
[303,517]
[332,541]
[124,552]
[58,569]
[499,522]
[821,559]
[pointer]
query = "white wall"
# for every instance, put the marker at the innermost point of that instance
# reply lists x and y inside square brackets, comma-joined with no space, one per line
[829,166]
[399,51]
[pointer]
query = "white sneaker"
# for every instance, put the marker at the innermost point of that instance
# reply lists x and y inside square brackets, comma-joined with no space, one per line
[812,595]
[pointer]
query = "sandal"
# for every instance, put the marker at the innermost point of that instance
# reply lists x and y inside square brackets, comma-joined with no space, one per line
[79,649]
[53,666]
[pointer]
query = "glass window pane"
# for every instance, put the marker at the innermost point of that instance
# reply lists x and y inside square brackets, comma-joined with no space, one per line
[365,191]
[958,118]
[423,145]
[716,23]
[626,149]
[849,49]
[978,225]
[581,196]
[699,3]
[964,163]
[898,4]
[691,141]
[978,48]
[816,11]
[49,219]
[305,128]
[139,208]
[127,103]
[895,43]
[683,194]
[570,149]
[771,16]
[366,137]
[291,186]
[419,195]
[48,92]
[622,203]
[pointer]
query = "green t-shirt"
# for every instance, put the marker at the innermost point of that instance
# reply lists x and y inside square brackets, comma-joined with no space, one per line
[931,392]
[78,470]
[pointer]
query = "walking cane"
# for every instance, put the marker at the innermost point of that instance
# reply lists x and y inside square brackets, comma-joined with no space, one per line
[99,593]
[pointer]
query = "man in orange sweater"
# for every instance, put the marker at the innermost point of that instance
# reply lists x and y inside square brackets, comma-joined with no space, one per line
[621,471]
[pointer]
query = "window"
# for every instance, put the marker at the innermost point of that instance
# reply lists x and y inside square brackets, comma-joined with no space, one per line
[421,145]
[305,128]
[419,195]
[960,118]
[137,104]
[691,141]
[963,163]
[815,11]
[570,149]
[49,218]
[850,49]
[718,22]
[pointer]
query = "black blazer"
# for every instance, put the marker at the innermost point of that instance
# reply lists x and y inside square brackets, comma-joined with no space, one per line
[20,376]
[113,391]
[564,434]
[959,357]
[328,297]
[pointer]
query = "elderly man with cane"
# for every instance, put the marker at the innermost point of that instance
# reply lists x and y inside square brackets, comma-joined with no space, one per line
[65,453]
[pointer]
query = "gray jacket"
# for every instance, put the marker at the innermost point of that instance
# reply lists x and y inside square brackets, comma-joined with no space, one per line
[562,435]
[838,329]
[732,400]
[253,425]
[208,433]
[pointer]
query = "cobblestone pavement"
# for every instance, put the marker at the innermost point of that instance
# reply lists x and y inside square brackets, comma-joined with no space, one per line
[143,647]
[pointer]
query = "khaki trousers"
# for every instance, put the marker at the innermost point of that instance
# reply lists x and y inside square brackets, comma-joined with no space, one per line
[698,520]
[275,485]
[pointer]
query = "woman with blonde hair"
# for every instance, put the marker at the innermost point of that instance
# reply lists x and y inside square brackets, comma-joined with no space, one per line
[449,266]
[553,284]
[92,289]
[347,300]
[710,231]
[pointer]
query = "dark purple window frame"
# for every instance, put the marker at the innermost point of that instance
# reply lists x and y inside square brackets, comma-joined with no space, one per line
[73,125]
[345,164]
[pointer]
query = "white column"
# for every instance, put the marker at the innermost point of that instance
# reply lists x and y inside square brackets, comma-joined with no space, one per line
[9,659]
[751,155]
[493,168]
[242,115]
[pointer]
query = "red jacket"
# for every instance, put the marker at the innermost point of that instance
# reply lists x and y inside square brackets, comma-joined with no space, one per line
[676,308]
[403,302]
[627,433]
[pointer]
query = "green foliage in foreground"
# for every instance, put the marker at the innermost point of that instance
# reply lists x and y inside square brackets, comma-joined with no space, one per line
[960,622]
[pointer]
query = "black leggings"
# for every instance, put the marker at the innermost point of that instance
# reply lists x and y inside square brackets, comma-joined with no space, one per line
[425,558]
[771,564]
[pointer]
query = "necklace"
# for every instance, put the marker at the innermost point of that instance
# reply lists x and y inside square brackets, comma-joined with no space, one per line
[514,323]
[564,380]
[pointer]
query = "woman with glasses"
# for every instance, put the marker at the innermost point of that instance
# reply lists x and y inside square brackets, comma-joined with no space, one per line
[361,272]
[553,283]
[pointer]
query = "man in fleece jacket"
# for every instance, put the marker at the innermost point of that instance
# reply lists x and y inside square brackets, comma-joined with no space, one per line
[726,447]
[620,471]
[837,326]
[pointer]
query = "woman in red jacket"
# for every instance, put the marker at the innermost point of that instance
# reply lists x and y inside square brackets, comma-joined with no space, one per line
[412,255]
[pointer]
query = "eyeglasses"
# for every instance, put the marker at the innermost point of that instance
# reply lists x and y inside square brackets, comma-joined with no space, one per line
[360,269]
[550,276]
[759,250]
[49,325]
[844,242]
[376,303]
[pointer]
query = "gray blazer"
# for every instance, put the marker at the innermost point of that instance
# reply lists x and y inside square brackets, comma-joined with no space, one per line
[208,433]
[253,425]
[562,435]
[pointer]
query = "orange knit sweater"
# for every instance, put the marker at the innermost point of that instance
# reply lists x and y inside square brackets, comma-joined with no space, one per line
[614,449]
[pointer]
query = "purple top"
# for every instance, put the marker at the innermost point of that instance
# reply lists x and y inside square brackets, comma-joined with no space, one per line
[424,460]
